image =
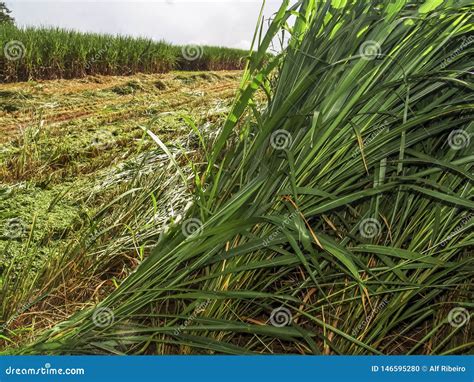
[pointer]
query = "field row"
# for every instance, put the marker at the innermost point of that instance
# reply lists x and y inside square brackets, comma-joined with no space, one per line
[52,53]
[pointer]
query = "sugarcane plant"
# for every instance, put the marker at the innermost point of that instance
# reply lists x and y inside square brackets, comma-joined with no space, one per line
[35,53]
[334,218]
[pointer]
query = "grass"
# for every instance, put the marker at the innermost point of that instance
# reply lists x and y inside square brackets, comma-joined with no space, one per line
[51,53]
[59,166]
[293,244]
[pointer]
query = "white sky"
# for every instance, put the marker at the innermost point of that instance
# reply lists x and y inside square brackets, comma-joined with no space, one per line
[226,22]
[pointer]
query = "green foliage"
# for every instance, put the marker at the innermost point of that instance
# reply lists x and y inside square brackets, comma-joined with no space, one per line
[49,53]
[284,202]
[62,169]
[5,17]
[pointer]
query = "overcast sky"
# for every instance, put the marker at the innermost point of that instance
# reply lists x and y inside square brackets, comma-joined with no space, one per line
[219,22]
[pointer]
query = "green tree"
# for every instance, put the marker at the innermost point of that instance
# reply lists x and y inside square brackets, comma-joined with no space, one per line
[5,14]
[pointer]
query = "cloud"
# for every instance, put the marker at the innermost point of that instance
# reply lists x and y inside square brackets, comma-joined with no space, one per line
[224,22]
[243,44]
